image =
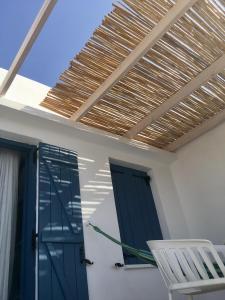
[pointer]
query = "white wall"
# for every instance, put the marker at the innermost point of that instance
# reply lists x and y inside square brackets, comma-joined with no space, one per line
[94,152]
[25,91]
[199,175]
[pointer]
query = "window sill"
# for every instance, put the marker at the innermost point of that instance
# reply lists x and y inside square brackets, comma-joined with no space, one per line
[138,266]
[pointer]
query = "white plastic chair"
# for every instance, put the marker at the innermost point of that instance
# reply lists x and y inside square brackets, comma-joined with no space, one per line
[185,266]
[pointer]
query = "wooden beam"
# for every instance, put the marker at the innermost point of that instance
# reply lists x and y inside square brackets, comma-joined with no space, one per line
[203,77]
[142,48]
[27,44]
[197,131]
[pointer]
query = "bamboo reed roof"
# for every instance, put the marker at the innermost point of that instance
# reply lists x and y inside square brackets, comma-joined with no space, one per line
[192,44]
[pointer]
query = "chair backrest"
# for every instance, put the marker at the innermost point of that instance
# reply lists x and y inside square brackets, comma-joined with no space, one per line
[183,261]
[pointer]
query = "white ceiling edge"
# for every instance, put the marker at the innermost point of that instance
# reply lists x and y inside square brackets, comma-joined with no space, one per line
[25,91]
[26,95]
[91,134]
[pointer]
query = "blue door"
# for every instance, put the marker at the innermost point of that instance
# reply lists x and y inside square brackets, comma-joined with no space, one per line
[61,267]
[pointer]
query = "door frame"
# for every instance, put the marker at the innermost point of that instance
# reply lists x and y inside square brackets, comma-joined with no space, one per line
[27,265]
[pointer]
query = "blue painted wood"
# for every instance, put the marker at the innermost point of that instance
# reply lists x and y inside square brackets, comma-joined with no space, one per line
[14,145]
[137,215]
[62,276]
[29,226]
[23,283]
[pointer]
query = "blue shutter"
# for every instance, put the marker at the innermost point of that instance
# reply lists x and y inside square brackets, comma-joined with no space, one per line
[61,272]
[137,215]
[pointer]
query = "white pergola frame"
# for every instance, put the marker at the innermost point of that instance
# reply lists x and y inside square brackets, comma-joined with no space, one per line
[203,77]
[177,11]
[28,42]
[197,131]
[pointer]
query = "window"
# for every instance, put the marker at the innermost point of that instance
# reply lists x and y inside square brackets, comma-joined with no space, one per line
[137,215]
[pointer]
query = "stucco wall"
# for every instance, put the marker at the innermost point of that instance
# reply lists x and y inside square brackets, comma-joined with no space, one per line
[94,152]
[199,176]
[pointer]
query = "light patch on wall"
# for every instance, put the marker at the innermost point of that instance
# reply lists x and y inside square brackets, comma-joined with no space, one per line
[95,181]
[101,193]
[98,186]
[90,202]
[86,159]
[103,175]
[104,171]
[87,190]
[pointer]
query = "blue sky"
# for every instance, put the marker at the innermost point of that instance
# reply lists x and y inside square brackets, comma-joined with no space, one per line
[68,28]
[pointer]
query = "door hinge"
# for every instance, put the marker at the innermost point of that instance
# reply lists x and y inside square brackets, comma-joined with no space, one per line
[34,239]
[147,179]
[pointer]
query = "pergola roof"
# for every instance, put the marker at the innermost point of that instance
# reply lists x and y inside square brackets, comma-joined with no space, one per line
[154,71]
